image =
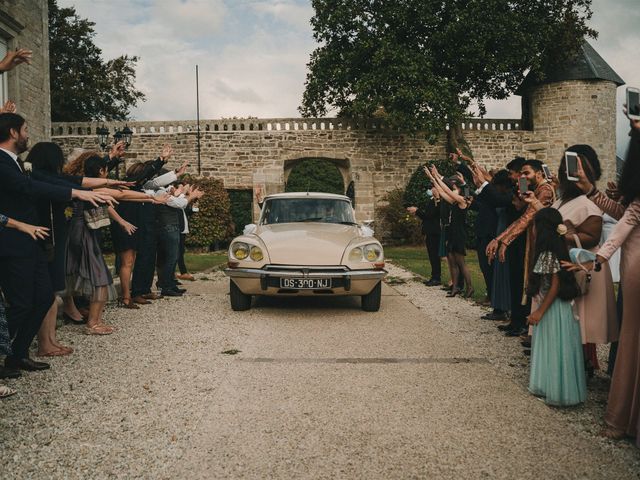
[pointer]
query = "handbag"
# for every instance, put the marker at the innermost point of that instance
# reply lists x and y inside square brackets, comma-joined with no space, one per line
[97,217]
[583,276]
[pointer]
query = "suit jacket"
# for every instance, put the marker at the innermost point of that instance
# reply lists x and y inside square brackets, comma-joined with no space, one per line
[487,219]
[18,195]
[430,216]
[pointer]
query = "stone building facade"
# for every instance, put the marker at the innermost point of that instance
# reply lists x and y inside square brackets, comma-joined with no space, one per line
[24,24]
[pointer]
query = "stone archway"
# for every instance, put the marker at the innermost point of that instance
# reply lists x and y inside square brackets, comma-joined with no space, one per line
[316,174]
[341,165]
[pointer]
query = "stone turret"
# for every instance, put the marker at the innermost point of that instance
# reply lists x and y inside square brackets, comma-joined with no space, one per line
[574,104]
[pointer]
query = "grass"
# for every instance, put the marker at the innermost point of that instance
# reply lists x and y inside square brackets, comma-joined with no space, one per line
[196,262]
[415,260]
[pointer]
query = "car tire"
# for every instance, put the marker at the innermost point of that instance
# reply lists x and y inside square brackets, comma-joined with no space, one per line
[371,301]
[239,301]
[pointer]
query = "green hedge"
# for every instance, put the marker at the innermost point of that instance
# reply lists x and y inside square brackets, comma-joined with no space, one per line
[213,222]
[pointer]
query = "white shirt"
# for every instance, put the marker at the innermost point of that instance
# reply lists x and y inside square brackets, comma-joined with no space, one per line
[14,156]
[479,190]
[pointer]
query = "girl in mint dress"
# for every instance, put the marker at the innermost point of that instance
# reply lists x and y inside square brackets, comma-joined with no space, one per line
[557,363]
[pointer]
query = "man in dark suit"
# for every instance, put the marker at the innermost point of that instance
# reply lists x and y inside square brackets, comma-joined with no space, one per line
[430,216]
[24,277]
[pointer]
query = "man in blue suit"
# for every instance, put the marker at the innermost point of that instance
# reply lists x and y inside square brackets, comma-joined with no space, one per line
[24,276]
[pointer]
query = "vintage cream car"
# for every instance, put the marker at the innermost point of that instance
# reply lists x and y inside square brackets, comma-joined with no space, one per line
[306,244]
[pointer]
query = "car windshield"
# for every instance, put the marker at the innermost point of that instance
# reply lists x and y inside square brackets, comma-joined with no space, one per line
[291,210]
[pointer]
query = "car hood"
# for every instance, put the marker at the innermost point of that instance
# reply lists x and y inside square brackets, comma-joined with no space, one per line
[306,243]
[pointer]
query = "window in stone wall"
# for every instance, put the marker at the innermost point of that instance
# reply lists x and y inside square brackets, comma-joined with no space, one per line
[4,94]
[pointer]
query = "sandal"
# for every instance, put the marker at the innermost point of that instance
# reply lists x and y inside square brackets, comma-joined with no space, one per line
[151,296]
[99,329]
[613,433]
[55,353]
[6,391]
[128,303]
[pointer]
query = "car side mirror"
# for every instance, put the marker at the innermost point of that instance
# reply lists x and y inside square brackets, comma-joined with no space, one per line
[249,229]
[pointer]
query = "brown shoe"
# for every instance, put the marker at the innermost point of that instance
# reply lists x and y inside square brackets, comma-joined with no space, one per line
[128,303]
[152,296]
[186,276]
[140,300]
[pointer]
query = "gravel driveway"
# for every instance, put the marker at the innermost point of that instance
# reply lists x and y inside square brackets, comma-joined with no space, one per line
[318,389]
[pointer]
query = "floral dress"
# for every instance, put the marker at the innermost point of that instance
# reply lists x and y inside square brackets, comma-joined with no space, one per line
[5,339]
[557,361]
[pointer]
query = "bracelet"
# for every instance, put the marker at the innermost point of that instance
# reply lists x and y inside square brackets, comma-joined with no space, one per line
[592,192]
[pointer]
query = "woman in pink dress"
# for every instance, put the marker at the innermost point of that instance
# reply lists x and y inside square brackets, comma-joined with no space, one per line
[623,408]
[597,309]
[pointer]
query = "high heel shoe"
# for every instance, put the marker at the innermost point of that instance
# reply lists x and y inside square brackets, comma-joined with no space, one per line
[70,320]
[469,293]
[453,293]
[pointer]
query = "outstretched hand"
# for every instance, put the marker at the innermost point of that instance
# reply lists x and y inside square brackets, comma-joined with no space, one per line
[635,124]
[13,58]
[118,149]
[183,169]
[37,233]
[167,151]
[9,107]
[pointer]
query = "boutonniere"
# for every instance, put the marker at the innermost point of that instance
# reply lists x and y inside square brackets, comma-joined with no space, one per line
[68,213]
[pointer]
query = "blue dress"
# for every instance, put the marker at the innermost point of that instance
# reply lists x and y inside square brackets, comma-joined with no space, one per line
[557,362]
[501,289]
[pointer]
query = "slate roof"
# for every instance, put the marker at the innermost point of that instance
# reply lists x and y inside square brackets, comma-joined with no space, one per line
[588,65]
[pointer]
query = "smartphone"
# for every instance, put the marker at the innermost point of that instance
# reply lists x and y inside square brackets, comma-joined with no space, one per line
[465,191]
[547,171]
[571,163]
[523,185]
[633,103]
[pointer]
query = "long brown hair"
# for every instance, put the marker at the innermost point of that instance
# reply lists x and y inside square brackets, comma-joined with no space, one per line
[76,166]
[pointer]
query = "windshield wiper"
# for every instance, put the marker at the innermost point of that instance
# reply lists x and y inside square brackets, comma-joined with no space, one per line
[347,223]
[310,219]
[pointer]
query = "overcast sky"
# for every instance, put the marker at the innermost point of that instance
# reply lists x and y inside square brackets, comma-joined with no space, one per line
[252,54]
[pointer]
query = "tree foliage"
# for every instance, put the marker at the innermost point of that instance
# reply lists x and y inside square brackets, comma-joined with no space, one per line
[212,223]
[83,86]
[422,63]
[315,175]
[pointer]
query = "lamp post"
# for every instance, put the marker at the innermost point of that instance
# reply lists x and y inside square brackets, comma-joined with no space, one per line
[103,136]
[127,133]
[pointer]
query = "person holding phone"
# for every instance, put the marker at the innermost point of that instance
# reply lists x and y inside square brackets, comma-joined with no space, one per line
[533,173]
[623,407]
[597,309]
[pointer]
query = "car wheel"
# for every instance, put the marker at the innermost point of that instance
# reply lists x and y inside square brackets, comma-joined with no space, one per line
[371,301]
[239,300]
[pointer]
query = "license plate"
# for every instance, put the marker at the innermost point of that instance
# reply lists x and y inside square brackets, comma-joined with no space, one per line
[305,283]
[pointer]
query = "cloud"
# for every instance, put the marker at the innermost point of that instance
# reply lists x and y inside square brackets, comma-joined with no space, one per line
[291,13]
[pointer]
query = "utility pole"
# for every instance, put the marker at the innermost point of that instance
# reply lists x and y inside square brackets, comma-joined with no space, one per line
[198,123]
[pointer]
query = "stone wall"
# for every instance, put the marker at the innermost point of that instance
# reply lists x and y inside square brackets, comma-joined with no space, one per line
[377,160]
[24,24]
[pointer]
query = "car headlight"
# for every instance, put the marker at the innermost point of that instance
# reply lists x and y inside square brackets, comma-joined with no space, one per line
[355,255]
[366,253]
[256,254]
[240,250]
[372,252]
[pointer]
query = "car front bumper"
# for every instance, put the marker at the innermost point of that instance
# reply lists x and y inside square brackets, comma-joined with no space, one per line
[267,281]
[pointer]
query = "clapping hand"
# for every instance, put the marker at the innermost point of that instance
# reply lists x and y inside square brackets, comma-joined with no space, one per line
[118,149]
[463,157]
[183,169]
[9,107]
[14,58]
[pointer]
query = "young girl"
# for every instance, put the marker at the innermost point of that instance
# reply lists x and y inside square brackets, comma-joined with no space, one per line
[557,364]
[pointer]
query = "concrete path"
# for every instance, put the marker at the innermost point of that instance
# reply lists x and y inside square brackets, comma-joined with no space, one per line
[318,389]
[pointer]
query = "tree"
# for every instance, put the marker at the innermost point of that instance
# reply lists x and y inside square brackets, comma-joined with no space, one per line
[83,86]
[315,175]
[421,64]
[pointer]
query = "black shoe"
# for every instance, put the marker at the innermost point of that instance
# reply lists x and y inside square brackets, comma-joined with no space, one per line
[526,343]
[72,321]
[447,288]
[25,364]
[527,352]
[181,290]
[494,316]
[178,282]
[505,327]
[432,282]
[9,372]
[515,332]
[171,293]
